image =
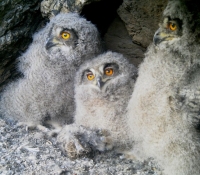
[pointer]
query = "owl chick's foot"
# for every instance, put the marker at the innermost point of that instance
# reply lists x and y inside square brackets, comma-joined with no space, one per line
[79,141]
[99,139]
[31,126]
[76,149]
[68,138]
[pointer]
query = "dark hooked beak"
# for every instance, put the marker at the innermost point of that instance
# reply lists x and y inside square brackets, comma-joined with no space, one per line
[157,37]
[51,42]
[160,36]
[99,82]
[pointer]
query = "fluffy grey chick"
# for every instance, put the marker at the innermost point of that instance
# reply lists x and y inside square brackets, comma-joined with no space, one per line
[164,110]
[49,66]
[102,90]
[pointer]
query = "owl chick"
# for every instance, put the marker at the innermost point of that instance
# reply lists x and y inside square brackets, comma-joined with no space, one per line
[102,90]
[164,110]
[48,68]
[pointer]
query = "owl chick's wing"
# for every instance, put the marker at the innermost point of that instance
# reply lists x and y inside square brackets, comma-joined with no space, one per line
[189,97]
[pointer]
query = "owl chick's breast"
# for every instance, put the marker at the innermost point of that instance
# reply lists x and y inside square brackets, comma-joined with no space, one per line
[101,109]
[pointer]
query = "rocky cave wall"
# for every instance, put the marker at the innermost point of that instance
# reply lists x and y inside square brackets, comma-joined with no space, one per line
[127,26]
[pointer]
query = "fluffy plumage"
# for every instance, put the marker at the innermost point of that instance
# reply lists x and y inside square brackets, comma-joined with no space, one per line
[102,90]
[49,66]
[163,112]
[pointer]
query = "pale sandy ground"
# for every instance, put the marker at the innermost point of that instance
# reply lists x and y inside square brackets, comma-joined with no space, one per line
[25,152]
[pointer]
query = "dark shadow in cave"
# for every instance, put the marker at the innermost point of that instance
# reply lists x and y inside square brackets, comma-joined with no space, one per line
[101,13]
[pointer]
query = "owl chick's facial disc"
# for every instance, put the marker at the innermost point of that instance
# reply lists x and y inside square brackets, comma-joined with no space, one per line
[169,29]
[180,23]
[62,37]
[68,37]
[101,75]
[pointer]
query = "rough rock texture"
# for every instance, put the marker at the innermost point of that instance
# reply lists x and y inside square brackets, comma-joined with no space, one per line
[51,7]
[118,40]
[18,21]
[141,18]
[101,13]
[25,152]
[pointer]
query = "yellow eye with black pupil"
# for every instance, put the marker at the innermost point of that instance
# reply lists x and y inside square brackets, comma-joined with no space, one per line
[65,35]
[90,76]
[108,71]
[172,26]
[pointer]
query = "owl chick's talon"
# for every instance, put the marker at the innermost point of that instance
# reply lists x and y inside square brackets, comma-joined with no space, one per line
[71,141]
[75,149]
[71,151]
[32,126]
[99,140]
[29,125]
[80,149]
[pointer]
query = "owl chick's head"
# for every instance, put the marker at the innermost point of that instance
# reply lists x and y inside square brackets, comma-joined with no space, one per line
[108,69]
[69,36]
[180,25]
[100,75]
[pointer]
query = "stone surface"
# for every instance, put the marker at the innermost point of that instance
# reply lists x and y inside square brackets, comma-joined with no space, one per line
[118,40]
[101,13]
[51,7]
[141,18]
[18,21]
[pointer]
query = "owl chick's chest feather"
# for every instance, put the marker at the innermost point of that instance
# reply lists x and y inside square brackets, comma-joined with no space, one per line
[160,78]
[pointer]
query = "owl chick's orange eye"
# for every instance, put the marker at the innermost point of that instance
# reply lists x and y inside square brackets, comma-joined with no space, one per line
[65,35]
[90,76]
[108,71]
[172,26]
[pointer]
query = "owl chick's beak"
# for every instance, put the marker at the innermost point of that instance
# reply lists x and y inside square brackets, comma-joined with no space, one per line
[51,42]
[99,82]
[160,36]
